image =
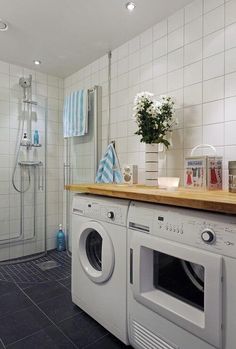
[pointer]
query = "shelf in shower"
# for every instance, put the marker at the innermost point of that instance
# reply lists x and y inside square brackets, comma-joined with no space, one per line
[31,145]
[30,163]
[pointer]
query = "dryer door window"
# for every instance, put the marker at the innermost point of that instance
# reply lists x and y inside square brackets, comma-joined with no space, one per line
[179,278]
[94,249]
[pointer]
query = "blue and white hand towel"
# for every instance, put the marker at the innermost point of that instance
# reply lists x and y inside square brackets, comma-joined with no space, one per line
[109,168]
[75,114]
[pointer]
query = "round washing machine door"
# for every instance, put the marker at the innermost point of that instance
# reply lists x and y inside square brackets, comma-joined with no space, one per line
[96,252]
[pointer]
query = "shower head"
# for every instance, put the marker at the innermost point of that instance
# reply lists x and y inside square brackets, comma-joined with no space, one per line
[25,82]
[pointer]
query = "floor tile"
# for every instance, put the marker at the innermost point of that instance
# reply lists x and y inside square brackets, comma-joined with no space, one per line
[7,287]
[82,330]
[59,308]
[12,302]
[48,338]
[108,342]
[24,285]
[41,292]
[21,324]
[66,283]
[30,271]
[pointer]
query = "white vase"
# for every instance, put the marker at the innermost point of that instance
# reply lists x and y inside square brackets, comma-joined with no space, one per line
[151,164]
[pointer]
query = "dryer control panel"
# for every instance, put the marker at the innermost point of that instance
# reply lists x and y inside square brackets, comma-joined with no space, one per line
[102,209]
[206,230]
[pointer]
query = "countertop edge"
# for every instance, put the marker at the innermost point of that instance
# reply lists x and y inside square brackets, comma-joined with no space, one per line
[165,198]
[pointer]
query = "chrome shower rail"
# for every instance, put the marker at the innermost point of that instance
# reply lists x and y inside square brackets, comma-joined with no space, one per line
[40,177]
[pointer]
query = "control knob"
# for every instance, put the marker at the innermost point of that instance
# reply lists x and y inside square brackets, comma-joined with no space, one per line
[110,214]
[208,236]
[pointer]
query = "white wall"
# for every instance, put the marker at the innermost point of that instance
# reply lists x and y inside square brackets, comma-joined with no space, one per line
[190,56]
[10,106]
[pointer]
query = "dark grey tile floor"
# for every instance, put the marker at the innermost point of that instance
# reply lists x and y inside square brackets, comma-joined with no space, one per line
[42,316]
[31,272]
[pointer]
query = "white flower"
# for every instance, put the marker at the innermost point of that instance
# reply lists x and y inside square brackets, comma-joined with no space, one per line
[142,97]
[157,104]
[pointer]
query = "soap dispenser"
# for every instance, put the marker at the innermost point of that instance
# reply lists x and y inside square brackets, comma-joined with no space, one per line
[61,239]
[36,137]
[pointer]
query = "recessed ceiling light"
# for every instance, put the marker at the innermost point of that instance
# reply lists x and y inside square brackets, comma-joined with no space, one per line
[3,26]
[37,62]
[130,6]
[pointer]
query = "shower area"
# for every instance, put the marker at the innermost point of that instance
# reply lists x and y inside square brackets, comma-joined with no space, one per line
[23,230]
[25,255]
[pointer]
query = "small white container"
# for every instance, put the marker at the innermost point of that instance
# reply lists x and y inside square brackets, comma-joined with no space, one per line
[168,183]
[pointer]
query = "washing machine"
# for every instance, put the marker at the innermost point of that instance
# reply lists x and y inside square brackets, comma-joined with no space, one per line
[181,278]
[99,260]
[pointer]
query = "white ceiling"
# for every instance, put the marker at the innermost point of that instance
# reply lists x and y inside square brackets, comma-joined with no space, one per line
[68,34]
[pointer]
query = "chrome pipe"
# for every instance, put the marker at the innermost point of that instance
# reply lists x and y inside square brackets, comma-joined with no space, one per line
[35,193]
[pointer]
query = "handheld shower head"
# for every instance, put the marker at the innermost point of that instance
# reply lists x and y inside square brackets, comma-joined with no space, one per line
[25,82]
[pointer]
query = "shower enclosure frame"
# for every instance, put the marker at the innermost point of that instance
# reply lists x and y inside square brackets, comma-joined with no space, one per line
[17,240]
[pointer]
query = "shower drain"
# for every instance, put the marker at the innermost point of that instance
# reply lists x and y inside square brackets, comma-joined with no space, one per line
[48,265]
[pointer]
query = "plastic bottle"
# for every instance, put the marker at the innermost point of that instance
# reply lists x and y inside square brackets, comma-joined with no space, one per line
[36,137]
[61,240]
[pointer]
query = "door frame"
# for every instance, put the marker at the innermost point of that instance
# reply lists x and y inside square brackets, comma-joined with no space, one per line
[108,253]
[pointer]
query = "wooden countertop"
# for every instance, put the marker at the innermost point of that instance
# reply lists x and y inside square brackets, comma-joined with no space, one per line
[216,201]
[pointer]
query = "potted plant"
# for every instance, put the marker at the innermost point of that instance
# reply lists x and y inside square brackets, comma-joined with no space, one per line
[155,120]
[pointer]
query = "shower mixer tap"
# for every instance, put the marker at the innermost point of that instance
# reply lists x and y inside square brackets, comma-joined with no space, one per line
[26,142]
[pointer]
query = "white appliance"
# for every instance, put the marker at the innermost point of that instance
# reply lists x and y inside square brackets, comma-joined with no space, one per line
[182,278]
[130,174]
[99,263]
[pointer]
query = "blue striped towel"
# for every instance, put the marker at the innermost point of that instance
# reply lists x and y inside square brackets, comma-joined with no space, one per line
[75,114]
[109,168]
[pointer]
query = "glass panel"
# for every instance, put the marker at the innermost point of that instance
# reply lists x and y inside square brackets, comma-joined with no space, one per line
[179,278]
[94,249]
[23,232]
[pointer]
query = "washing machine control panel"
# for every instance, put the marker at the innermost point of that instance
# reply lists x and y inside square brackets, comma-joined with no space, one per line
[111,214]
[102,210]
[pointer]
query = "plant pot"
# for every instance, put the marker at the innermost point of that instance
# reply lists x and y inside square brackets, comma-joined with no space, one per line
[151,164]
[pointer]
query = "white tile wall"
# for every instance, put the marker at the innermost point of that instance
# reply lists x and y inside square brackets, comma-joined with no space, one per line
[10,105]
[191,56]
